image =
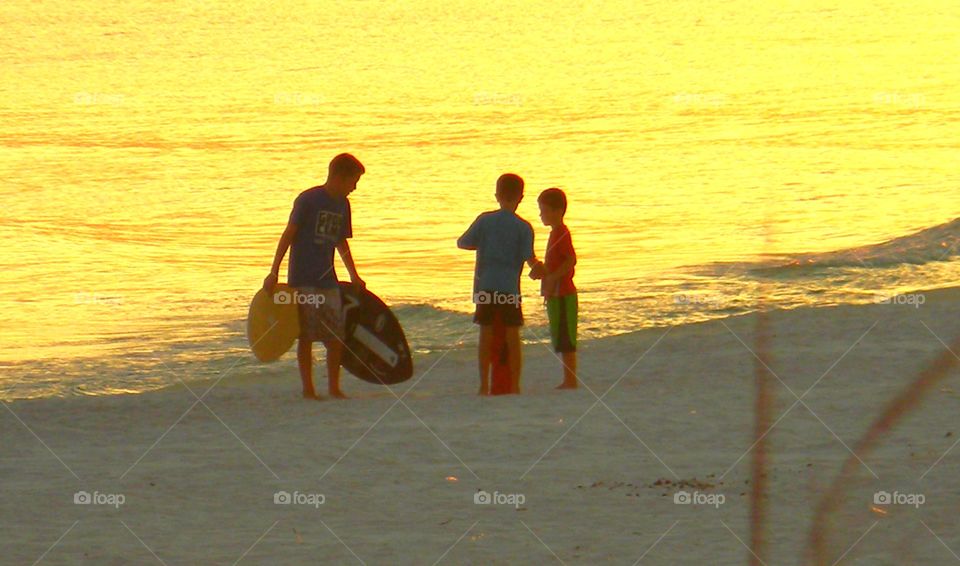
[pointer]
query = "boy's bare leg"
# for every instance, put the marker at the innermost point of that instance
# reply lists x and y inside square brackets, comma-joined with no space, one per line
[305,362]
[483,355]
[569,371]
[334,355]
[514,357]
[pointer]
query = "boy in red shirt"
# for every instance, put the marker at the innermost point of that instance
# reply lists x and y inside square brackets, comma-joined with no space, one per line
[557,283]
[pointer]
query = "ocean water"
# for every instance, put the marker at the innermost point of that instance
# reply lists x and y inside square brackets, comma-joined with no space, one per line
[715,157]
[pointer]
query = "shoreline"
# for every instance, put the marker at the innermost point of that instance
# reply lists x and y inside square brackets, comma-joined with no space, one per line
[598,478]
[532,346]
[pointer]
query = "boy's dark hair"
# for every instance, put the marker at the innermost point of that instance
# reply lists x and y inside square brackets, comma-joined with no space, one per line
[345,165]
[510,187]
[554,198]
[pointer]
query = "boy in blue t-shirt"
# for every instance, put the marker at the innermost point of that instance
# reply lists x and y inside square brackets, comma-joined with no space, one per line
[319,224]
[503,242]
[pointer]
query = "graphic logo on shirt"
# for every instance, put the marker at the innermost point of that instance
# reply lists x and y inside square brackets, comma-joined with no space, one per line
[329,226]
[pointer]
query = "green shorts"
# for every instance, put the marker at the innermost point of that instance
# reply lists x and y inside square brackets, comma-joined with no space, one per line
[562,312]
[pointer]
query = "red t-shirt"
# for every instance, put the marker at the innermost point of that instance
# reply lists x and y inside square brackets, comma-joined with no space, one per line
[559,248]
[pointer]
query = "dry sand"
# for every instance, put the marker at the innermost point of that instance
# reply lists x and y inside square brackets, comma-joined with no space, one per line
[398,477]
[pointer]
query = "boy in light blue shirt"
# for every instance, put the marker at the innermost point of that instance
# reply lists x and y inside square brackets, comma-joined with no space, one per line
[503,242]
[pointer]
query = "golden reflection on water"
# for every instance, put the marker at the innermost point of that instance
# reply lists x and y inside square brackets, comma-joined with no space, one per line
[151,152]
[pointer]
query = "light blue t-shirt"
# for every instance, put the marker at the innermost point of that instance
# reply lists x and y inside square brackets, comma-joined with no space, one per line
[503,242]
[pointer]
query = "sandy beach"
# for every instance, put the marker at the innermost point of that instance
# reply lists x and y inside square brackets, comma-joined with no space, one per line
[742,182]
[578,477]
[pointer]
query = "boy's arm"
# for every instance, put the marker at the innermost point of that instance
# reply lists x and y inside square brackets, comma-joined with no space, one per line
[282,246]
[537,269]
[566,247]
[536,266]
[471,238]
[344,248]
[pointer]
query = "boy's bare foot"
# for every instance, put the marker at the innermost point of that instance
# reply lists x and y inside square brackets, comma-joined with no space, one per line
[337,394]
[566,385]
[312,395]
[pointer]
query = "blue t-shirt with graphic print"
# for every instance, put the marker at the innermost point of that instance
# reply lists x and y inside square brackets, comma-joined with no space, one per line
[322,221]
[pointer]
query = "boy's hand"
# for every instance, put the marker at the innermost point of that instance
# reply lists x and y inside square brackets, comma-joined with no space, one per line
[269,282]
[537,271]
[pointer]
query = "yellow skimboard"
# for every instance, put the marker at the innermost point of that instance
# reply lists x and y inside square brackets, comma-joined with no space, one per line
[272,323]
